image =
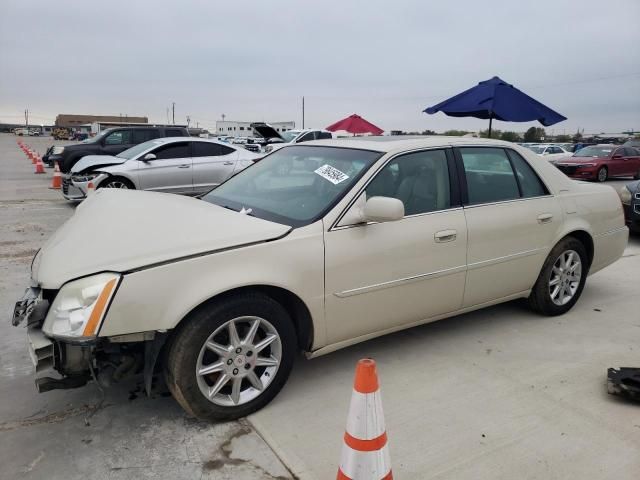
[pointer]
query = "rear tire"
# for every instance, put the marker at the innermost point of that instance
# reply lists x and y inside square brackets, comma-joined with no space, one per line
[205,353]
[602,174]
[117,182]
[560,282]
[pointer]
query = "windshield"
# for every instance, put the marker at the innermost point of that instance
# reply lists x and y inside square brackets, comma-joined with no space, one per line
[289,135]
[536,149]
[138,149]
[295,185]
[594,151]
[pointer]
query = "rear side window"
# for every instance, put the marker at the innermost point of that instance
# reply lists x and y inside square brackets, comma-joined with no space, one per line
[530,183]
[174,132]
[489,175]
[306,137]
[206,149]
[145,134]
[174,150]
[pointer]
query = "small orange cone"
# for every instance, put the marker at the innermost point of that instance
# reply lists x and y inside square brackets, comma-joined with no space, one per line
[32,156]
[39,165]
[56,181]
[90,188]
[365,454]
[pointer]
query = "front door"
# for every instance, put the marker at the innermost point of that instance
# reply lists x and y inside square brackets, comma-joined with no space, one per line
[117,141]
[381,276]
[169,172]
[212,164]
[512,221]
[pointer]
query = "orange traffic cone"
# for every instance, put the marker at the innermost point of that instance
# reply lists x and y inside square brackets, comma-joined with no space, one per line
[90,188]
[32,156]
[56,181]
[365,454]
[39,165]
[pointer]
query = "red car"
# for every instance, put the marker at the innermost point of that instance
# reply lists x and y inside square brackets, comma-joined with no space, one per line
[599,162]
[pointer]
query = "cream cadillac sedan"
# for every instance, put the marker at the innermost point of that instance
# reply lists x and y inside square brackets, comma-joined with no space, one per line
[356,239]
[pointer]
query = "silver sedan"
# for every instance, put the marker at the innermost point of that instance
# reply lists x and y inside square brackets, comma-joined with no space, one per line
[174,165]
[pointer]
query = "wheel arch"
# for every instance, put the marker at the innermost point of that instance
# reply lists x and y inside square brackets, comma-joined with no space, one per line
[292,303]
[586,239]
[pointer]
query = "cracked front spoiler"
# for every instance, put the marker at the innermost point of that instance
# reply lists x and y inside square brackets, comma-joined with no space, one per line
[624,382]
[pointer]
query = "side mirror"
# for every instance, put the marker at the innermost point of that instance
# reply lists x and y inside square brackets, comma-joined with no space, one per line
[383,209]
[148,157]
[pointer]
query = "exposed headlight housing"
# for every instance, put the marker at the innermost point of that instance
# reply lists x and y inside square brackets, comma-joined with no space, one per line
[79,307]
[268,149]
[625,195]
[57,150]
[86,177]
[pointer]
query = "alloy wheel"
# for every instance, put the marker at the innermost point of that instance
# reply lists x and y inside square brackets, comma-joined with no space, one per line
[116,184]
[602,174]
[238,361]
[565,277]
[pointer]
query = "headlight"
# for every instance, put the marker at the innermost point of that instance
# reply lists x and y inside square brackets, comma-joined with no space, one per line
[87,177]
[625,195]
[57,150]
[79,307]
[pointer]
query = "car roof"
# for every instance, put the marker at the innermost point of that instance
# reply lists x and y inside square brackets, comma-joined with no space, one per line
[394,143]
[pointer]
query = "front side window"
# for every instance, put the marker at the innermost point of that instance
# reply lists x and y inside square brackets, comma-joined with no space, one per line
[296,185]
[173,150]
[420,180]
[306,137]
[119,137]
[489,175]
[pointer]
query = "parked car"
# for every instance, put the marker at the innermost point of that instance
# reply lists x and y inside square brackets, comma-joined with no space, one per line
[61,134]
[174,165]
[110,142]
[599,162]
[359,239]
[630,196]
[274,140]
[633,143]
[550,152]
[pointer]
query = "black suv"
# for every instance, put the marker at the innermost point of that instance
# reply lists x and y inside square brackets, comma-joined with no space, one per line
[109,142]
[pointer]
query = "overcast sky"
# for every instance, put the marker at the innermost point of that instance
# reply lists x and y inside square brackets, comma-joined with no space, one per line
[253,60]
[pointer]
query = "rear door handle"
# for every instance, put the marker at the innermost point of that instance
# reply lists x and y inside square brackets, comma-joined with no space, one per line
[445,236]
[545,218]
[186,165]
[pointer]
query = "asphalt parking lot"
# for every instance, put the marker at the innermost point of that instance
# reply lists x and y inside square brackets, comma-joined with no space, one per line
[498,393]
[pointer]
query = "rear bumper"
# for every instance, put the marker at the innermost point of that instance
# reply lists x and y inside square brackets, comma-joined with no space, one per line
[609,247]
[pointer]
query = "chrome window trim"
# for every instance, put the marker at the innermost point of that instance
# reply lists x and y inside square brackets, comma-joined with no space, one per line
[344,227]
[335,226]
[520,199]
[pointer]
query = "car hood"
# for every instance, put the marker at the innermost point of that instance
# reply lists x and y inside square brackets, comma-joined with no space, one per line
[266,131]
[122,230]
[94,161]
[581,160]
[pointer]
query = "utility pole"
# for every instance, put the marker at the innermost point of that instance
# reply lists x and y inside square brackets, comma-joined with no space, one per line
[303,112]
[173,112]
[188,120]
[26,118]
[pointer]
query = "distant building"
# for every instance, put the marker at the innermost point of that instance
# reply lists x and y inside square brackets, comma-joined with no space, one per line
[243,129]
[73,121]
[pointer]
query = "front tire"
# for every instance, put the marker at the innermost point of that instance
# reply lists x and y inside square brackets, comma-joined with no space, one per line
[231,357]
[561,279]
[602,174]
[117,182]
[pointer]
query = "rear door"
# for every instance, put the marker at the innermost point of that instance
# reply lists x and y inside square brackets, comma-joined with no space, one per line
[170,171]
[512,221]
[212,164]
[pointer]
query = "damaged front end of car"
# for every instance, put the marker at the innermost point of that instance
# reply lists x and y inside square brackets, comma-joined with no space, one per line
[62,330]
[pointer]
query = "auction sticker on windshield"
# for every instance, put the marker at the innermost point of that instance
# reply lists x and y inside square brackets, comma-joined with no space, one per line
[332,174]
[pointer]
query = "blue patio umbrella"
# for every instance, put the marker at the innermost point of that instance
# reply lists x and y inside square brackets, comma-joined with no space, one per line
[497,99]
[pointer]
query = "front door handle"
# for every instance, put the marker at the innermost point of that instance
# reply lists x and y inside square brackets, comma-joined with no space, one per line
[445,236]
[228,163]
[186,165]
[545,218]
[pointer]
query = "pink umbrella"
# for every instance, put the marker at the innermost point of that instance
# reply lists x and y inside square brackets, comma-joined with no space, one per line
[355,124]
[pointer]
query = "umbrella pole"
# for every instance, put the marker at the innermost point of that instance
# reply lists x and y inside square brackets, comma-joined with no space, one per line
[490,120]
